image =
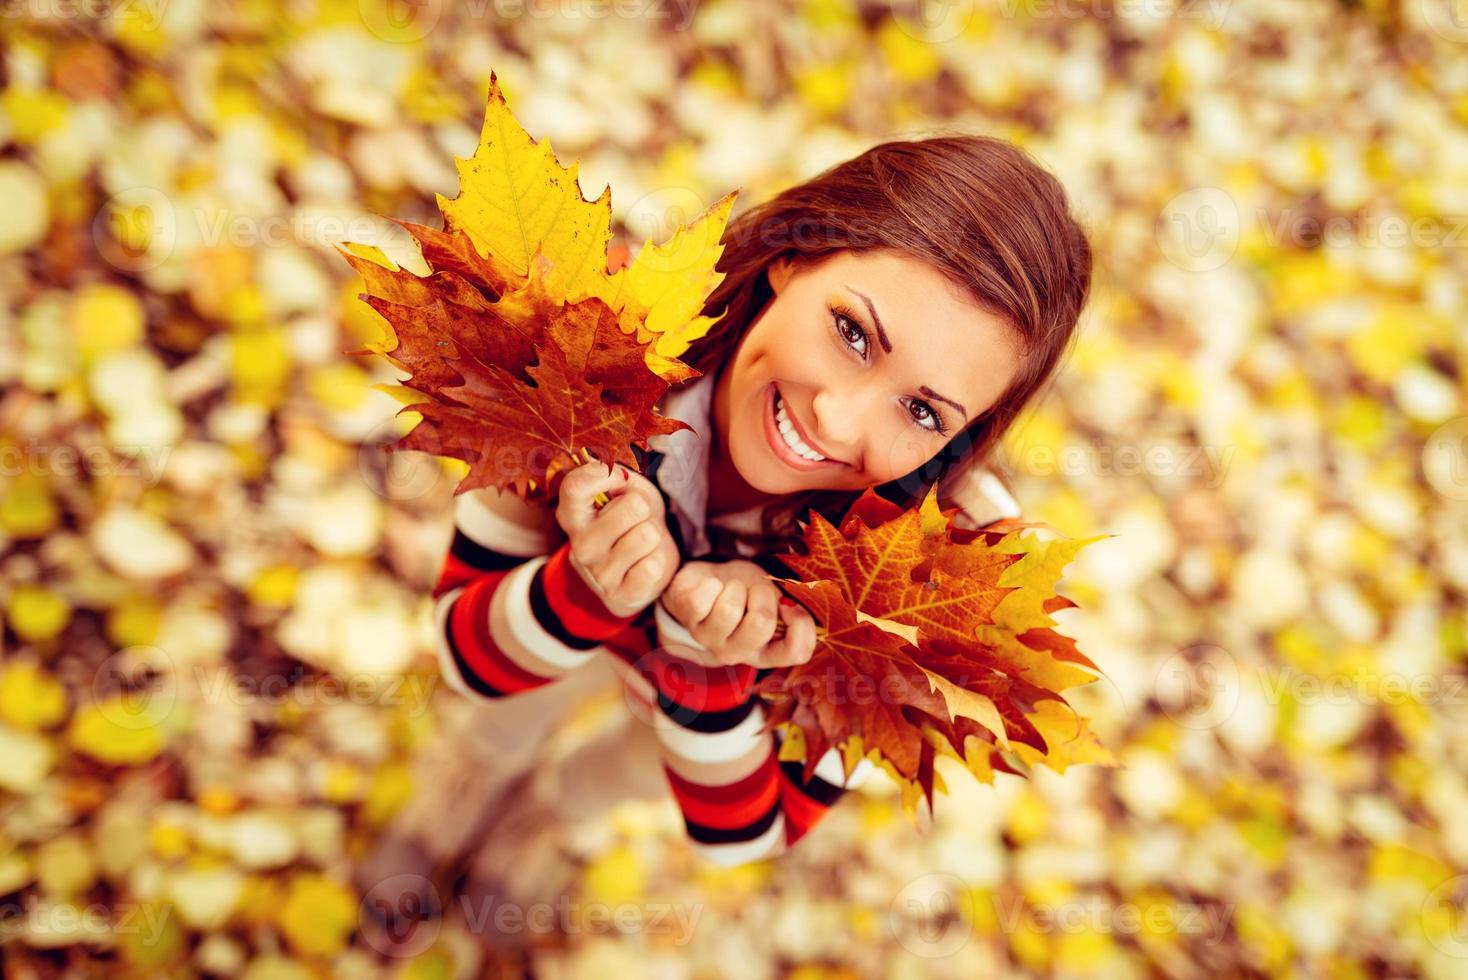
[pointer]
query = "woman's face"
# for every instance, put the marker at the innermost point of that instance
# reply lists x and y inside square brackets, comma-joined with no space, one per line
[859,370]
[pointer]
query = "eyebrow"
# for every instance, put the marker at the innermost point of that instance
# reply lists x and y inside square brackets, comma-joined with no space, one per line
[887,346]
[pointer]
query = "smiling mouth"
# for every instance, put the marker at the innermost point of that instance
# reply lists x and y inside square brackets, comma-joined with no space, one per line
[784,435]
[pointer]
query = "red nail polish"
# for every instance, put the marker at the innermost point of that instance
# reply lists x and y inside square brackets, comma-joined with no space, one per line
[787,602]
[625,474]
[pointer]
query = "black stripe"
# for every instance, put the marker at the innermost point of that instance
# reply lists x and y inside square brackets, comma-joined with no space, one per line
[705,721]
[817,789]
[476,555]
[546,616]
[649,462]
[476,683]
[714,835]
[772,565]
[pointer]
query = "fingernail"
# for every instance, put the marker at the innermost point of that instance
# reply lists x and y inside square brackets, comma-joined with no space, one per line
[787,602]
[624,474]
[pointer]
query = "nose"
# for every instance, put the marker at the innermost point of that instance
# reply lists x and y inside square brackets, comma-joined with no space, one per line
[838,420]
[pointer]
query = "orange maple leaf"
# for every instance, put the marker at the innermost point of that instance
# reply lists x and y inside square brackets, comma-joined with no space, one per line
[906,661]
[522,401]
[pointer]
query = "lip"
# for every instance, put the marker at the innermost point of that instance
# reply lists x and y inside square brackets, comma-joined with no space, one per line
[777,441]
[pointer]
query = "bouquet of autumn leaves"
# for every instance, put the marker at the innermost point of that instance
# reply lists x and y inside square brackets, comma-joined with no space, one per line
[526,356]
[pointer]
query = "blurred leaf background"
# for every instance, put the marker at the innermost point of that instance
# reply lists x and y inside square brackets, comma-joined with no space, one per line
[217,687]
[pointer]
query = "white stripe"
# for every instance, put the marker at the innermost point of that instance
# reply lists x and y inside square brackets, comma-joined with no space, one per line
[720,773]
[831,769]
[990,486]
[446,666]
[768,844]
[481,524]
[711,746]
[526,631]
[672,633]
[641,686]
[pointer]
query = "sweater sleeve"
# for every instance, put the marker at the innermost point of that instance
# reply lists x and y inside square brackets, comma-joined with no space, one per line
[739,802]
[510,612]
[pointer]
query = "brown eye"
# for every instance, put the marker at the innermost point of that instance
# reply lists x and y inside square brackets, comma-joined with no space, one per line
[922,413]
[851,333]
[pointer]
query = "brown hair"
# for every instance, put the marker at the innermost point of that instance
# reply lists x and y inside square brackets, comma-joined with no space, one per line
[978,209]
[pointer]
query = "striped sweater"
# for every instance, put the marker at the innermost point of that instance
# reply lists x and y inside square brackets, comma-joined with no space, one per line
[512,614]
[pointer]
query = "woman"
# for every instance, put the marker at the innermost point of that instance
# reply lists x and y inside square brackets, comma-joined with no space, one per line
[880,325]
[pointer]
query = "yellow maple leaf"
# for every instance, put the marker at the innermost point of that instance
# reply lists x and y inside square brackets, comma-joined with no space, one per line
[516,199]
[1069,740]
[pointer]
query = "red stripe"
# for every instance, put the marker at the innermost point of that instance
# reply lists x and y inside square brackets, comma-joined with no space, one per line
[801,812]
[469,621]
[734,805]
[632,644]
[573,601]
[692,685]
[454,574]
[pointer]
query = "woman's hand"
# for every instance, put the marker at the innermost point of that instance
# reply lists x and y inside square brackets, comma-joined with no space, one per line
[731,608]
[622,551]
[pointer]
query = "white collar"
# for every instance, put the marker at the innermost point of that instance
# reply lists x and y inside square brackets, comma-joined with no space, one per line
[683,471]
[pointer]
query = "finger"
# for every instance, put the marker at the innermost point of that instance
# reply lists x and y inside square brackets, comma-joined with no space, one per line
[798,643]
[594,543]
[641,540]
[728,610]
[691,595]
[760,616]
[640,584]
[575,506]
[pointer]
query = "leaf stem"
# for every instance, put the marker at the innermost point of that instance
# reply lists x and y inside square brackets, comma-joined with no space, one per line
[601,499]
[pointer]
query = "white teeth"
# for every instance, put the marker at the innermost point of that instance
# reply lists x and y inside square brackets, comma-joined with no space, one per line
[787,430]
